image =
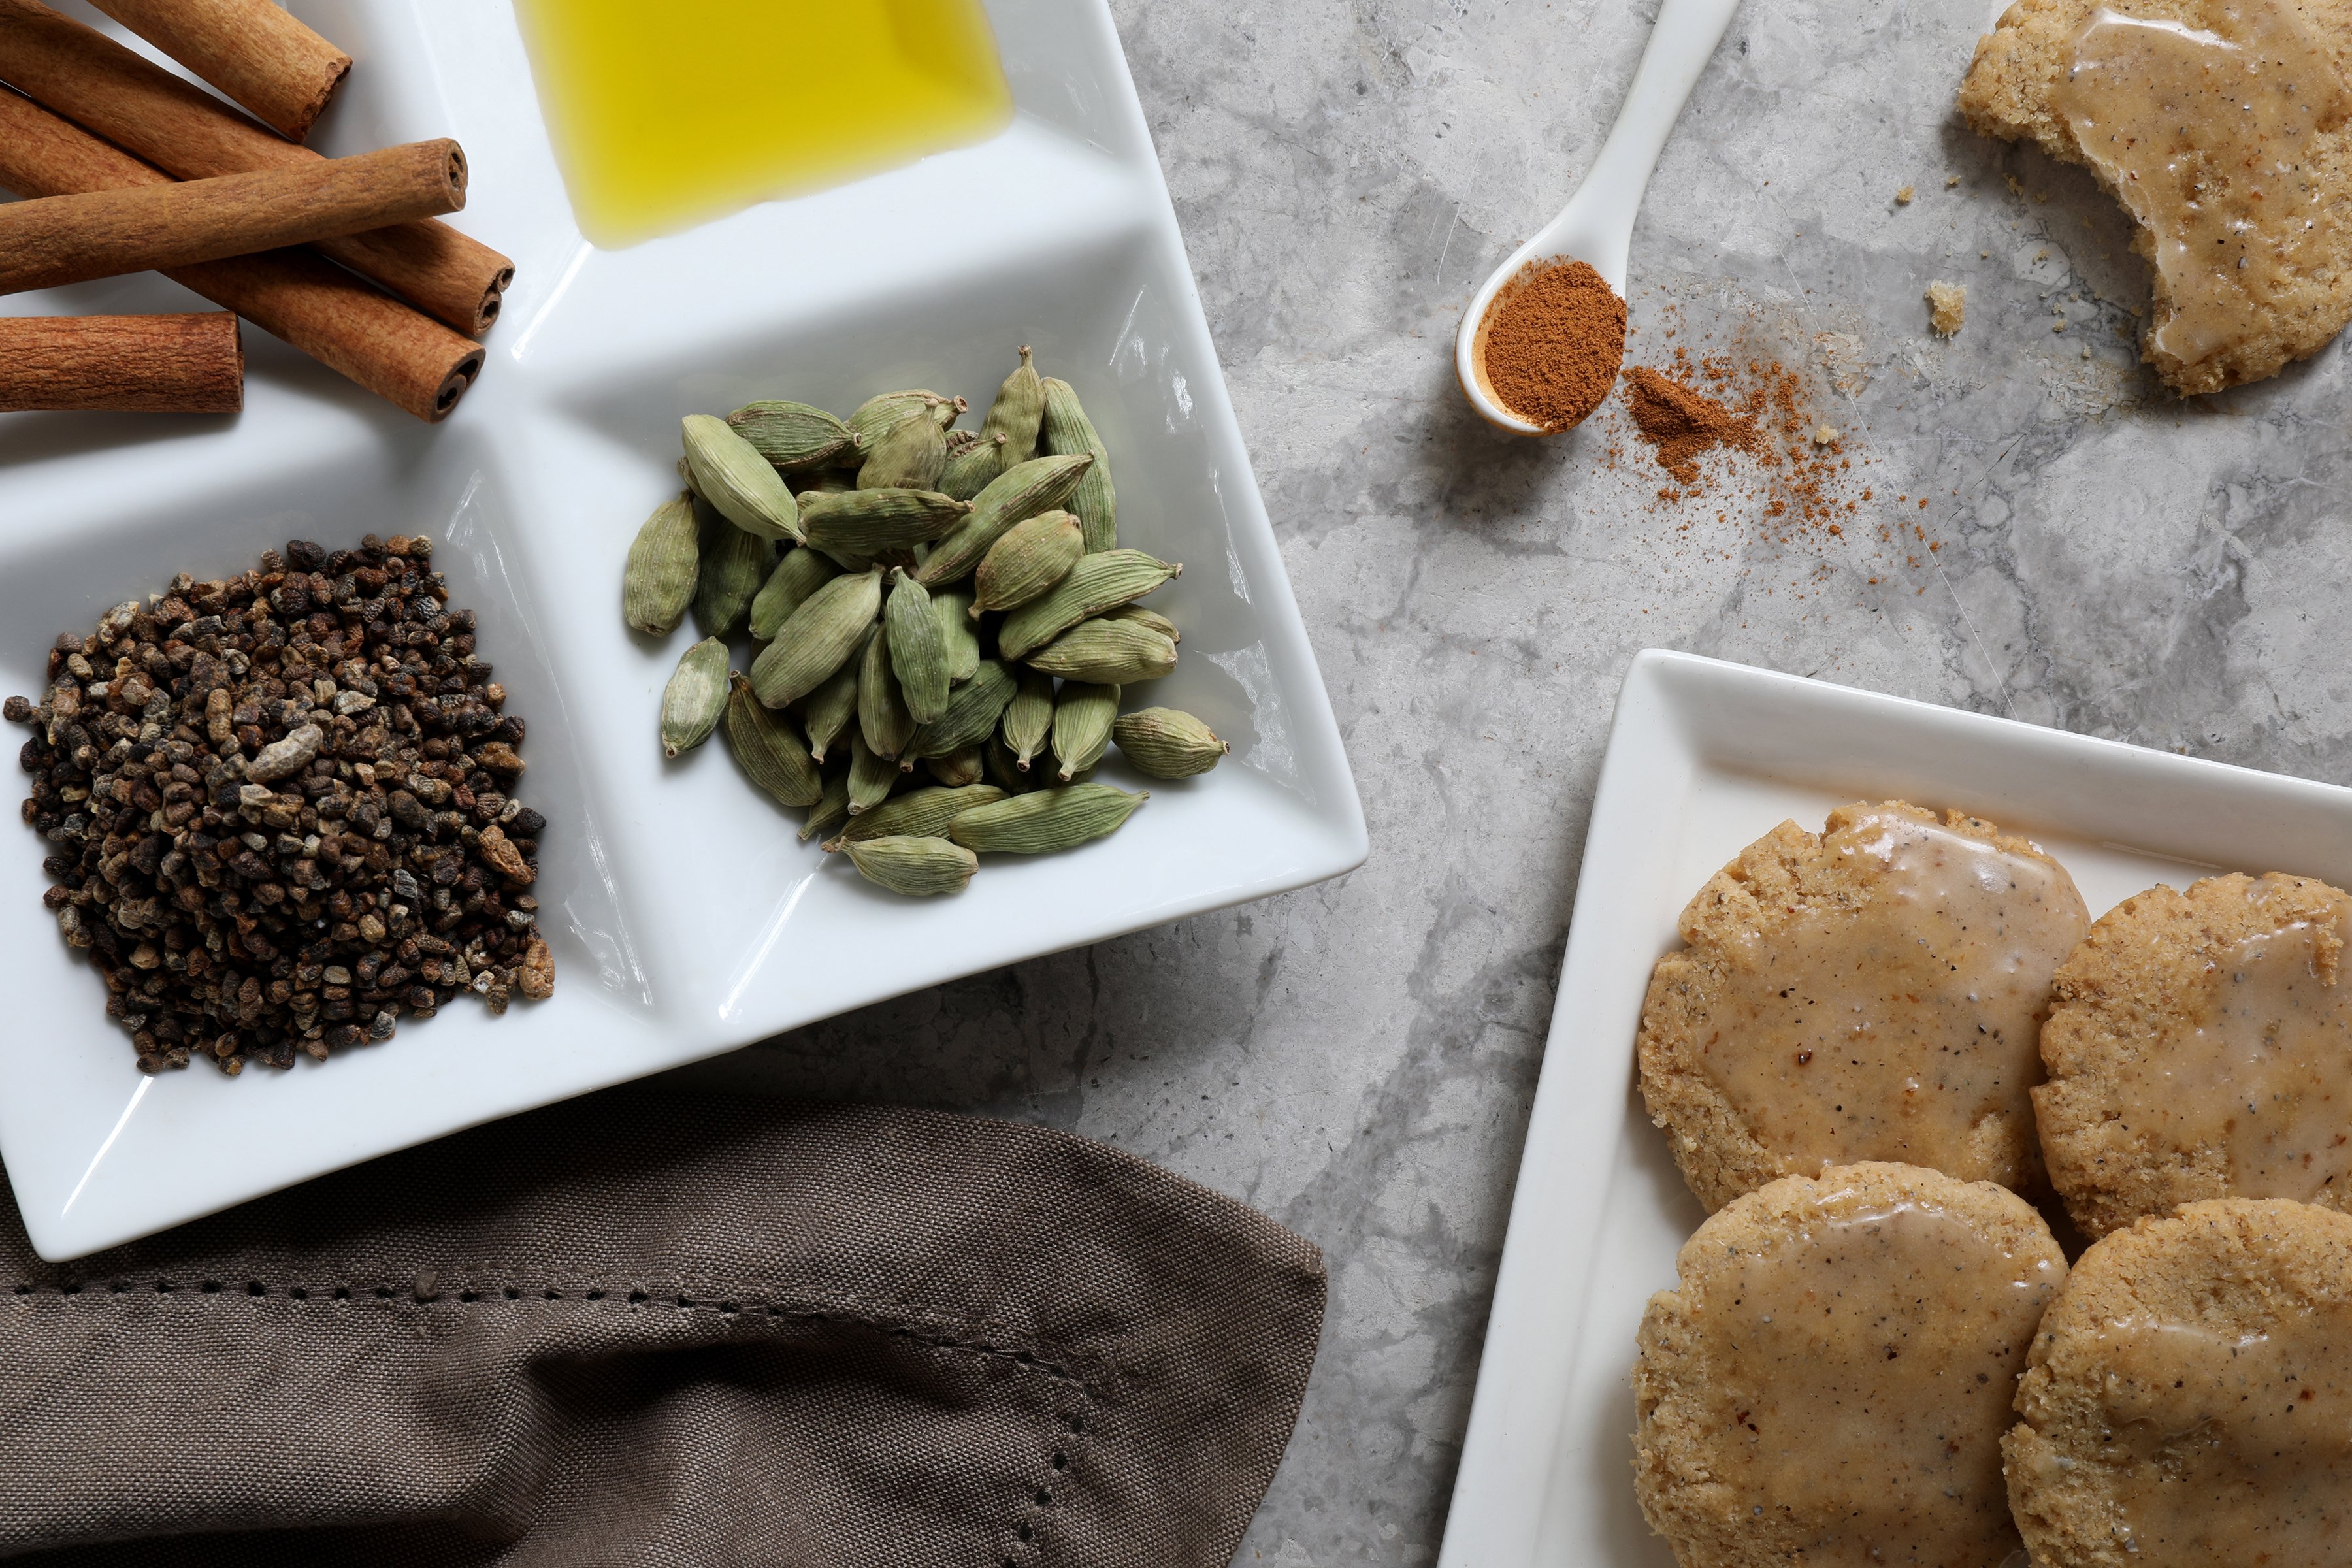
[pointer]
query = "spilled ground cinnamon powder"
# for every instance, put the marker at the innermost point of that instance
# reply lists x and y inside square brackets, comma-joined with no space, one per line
[1553,345]
[1682,423]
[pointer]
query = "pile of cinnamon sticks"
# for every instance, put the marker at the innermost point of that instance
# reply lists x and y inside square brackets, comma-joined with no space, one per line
[128,167]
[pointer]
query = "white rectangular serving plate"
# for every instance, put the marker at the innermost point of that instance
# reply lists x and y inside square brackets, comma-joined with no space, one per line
[1704,758]
[685,918]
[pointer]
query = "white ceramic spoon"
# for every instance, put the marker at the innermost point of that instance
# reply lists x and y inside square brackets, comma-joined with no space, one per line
[1597,224]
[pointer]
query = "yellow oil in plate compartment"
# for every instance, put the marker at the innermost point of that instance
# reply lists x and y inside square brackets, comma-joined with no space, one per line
[668,113]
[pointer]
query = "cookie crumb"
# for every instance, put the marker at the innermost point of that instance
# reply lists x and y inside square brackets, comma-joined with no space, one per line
[1824,436]
[1903,196]
[1948,307]
[1950,179]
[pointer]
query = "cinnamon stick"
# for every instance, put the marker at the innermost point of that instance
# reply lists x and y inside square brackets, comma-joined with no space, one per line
[340,320]
[103,234]
[251,49]
[150,365]
[178,126]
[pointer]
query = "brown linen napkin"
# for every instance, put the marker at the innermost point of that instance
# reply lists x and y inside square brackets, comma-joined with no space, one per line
[641,1328]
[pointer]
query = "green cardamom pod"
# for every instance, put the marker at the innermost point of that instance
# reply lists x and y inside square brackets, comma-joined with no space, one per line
[1068,431]
[882,716]
[953,608]
[1108,653]
[831,811]
[969,471]
[871,778]
[695,697]
[1082,721]
[735,478]
[818,639]
[878,416]
[793,437]
[1029,717]
[734,563]
[958,769]
[685,477]
[1098,582]
[1018,411]
[1027,562]
[917,814]
[833,707]
[1015,496]
[918,653]
[657,583]
[914,867]
[1167,743]
[1004,771]
[1047,821]
[1142,617]
[912,457]
[867,523]
[768,748]
[800,573]
[971,712]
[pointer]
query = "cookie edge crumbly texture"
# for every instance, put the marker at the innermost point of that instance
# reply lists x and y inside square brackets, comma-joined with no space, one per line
[1718,1156]
[2260,1256]
[1706,1522]
[2007,95]
[2140,976]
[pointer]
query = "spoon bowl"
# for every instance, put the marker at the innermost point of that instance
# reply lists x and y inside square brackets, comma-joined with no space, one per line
[1596,227]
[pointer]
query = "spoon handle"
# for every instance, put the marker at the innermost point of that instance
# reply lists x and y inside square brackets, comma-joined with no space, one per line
[1681,42]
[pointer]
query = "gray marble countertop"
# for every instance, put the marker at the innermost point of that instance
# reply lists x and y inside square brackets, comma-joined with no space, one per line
[1358,1059]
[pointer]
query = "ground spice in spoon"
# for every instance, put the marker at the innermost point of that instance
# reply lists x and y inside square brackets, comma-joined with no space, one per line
[1553,344]
[1682,424]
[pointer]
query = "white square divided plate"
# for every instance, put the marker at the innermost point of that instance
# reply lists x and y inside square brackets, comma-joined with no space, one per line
[1704,758]
[685,918]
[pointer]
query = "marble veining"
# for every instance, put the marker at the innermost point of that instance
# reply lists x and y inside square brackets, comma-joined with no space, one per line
[1357,1059]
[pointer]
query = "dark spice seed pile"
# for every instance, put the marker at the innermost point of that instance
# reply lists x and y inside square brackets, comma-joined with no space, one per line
[283,809]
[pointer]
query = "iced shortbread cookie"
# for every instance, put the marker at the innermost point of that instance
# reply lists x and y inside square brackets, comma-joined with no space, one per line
[2189,1400]
[1871,994]
[2224,128]
[2200,1047]
[1828,1381]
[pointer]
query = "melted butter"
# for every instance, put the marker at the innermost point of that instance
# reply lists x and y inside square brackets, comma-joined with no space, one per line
[1866,1377]
[2264,1079]
[665,116]
[2206,134]
[1895,1031]
[2237,1451]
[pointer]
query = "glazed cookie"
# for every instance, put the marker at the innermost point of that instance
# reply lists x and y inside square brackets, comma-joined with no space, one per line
[2189,1396]
[1873,993]
[2200,1047]
[1830,1379]
[2222,127]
